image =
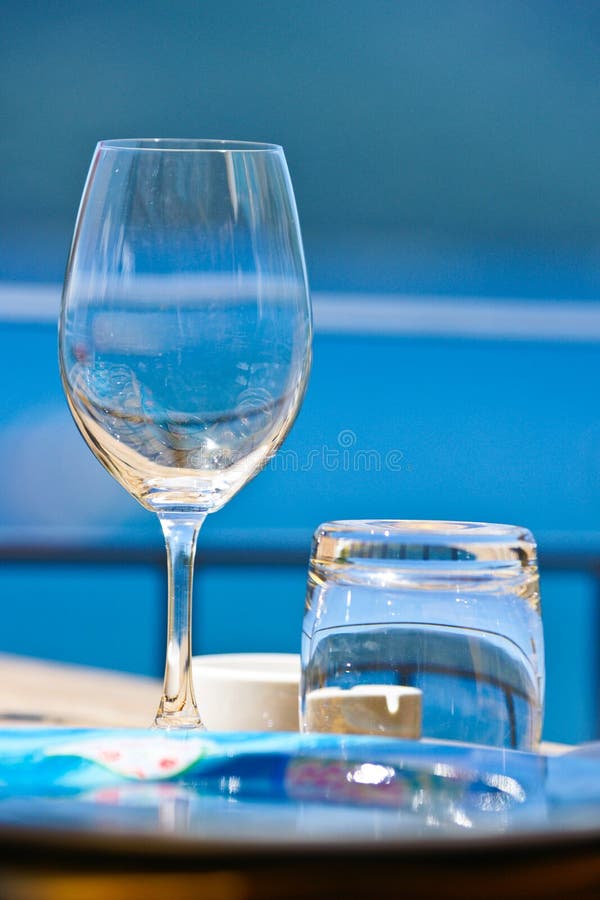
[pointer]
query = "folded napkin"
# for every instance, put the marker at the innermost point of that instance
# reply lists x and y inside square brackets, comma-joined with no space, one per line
[441,786]
[328,767]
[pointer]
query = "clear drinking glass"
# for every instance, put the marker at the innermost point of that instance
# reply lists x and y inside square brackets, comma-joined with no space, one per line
[185,339]
[451,609]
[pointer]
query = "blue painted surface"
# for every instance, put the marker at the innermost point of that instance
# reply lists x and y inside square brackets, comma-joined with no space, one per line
[401,428]
[105,616]
[250,609]
[570,615]
[397,428]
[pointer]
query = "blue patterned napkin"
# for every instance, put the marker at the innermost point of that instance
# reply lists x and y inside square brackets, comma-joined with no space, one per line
[359,785]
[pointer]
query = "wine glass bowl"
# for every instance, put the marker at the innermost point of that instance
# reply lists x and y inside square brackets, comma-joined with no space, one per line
[185,334]
[184,331]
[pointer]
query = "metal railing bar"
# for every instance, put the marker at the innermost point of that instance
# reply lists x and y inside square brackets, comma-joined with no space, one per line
[558,551]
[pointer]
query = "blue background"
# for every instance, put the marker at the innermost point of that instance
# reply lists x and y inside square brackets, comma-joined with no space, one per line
[436,148]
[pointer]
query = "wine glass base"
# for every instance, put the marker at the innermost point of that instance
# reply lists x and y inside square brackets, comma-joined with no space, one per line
[178,721]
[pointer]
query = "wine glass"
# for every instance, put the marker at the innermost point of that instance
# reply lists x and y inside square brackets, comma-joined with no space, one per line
[184,339]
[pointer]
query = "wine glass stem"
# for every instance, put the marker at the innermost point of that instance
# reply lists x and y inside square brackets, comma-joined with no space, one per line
[178,708]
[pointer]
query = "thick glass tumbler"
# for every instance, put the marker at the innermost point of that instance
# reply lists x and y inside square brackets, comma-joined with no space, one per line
[448,611]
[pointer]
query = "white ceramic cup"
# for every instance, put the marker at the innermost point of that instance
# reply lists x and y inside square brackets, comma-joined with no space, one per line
[248,691]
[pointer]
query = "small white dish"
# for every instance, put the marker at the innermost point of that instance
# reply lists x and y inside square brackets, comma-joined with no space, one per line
[248,691]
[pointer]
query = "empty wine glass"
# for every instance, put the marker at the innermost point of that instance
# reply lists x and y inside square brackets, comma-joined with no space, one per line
[185,339]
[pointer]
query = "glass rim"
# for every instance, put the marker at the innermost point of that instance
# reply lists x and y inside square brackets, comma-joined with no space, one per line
[409,530]
[407,543]
[188,145]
